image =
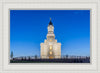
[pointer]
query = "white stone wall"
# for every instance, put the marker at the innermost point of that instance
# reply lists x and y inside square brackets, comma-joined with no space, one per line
[57,50]
[45,49]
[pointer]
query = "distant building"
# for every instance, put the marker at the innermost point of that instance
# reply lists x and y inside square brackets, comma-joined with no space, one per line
[50,49]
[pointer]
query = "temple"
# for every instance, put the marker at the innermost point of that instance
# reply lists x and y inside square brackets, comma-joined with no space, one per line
[50,49]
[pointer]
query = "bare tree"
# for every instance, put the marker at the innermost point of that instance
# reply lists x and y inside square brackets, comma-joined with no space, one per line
[35,56]
[11,55]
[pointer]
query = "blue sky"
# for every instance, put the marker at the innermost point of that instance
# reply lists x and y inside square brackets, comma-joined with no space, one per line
[28,28]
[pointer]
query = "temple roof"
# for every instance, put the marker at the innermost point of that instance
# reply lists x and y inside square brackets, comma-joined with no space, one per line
[50,23]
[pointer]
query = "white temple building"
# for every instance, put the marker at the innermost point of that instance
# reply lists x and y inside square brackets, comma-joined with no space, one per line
[50,49]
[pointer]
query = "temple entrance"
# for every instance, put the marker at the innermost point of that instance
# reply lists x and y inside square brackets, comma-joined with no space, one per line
[50,57]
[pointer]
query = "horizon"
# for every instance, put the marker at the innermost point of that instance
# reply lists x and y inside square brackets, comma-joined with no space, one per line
[28,28]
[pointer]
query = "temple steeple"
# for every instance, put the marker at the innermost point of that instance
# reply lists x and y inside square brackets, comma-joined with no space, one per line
[50,27]
[50,49]
[50,23]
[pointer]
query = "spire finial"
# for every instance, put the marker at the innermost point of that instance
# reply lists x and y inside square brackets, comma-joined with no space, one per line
[50,23]
[50,18]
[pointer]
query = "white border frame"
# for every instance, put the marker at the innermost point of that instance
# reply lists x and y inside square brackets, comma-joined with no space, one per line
[48,6]
[5,66]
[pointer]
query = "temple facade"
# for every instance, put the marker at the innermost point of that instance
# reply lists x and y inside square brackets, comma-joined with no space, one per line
[50,49]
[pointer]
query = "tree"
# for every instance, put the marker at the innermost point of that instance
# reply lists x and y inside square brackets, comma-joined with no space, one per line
[11,55]
[66,56]
[35,56]
[29,58]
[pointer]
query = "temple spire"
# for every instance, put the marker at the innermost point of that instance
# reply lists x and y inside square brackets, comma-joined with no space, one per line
[50,23]
[50,18]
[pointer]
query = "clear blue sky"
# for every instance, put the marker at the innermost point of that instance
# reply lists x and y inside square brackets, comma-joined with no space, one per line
[28,28]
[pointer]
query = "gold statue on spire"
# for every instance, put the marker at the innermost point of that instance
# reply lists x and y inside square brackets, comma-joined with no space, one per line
[50,18]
